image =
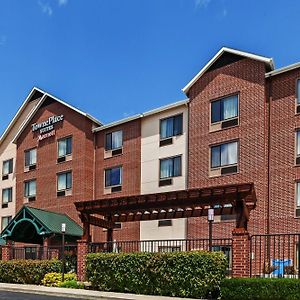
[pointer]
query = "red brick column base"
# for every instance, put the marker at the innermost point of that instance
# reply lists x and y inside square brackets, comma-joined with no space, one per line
[6,252]
[82,251]
[240,253]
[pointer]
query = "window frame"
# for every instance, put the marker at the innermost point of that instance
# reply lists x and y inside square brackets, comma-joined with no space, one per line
[63,139]
[11,195]
[221,99]
[27,182]
[28,151]
[66,181]
[121,177]
[170,117]
[111,135]
[220,145]
[10,166]
[296,197]
[5,217]
[166,158]
[297,93]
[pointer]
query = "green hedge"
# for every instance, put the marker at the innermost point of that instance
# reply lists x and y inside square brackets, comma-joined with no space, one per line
[260,289]
[27,271]
[182,274]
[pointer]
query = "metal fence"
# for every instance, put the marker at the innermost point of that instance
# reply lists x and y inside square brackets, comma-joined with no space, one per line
[40,252]
[224,245]
[275,255]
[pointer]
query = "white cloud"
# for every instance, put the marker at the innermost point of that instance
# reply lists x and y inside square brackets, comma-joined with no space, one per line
[3,40]
[46,8]
[62,2]
[202,3]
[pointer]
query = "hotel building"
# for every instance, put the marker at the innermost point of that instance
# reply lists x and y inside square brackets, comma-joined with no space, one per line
[239,124]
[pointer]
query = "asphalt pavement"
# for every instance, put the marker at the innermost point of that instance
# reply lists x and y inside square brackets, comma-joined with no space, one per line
[25,296]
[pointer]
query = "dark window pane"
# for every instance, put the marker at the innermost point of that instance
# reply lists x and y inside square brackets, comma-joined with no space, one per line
[107,177]
[108,142]
[69,146]
[215,156]
[215,111]
[178,125]
[177,166]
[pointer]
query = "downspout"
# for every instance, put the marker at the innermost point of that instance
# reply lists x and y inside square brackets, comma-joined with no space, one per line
[187,159]
[269,100]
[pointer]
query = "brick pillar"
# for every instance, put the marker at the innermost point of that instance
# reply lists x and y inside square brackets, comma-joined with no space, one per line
[7,251]
[240,253]
[82,251]
[46,253]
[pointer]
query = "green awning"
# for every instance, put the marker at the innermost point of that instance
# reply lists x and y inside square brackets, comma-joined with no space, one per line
[31,225]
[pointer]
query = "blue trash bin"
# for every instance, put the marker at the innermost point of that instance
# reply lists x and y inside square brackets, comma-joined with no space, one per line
[280,264]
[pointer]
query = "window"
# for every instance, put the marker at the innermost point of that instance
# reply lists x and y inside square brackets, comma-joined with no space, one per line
[113,177]
[298,199]
[65,147]
[30,157]
[64,181]
[7,167]
[224,159]
[225,109]
[298,147]
[224,155]
[170,167]
[114,140]
[171,126]
[30,188]
[6,196]
[164,223]
[5,221]
[298,97]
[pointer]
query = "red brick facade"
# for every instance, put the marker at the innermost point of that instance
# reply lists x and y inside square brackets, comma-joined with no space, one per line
[247,79]
[75,125]
[130,160]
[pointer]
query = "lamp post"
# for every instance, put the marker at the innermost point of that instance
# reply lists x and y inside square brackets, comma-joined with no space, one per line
[210,218]
[63,231]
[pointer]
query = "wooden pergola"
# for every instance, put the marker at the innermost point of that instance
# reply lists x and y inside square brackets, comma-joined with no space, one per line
[237,199]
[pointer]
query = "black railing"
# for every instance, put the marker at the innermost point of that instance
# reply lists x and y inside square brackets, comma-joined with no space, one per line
[275,255]
[40,252]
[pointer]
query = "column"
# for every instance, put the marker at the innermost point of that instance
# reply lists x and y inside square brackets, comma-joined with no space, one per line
[240,253]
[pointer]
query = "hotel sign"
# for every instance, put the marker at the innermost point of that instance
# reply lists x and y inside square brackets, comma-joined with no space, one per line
[46,128]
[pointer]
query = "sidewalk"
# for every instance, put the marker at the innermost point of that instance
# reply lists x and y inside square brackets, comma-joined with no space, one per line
[79,294]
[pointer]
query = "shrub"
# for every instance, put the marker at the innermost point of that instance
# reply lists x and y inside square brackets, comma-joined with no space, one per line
[260,289]
[55,279]
[71,284]
[27,271]
[182,274]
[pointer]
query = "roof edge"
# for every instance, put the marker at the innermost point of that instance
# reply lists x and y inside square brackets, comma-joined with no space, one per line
[143,115]
[267,60]
[283,70]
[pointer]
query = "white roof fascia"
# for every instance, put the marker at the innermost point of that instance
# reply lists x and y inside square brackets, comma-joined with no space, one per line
[264,59]
[119,122]
[283,69]
[72,107]
[20,110]
[30,116]
[142,115]
[165,107]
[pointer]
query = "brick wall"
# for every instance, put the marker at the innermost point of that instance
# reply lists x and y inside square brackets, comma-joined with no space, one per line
[283,171]
[247,78]
[81,164]
[130,160]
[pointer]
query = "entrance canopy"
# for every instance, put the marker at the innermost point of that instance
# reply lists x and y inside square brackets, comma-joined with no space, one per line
[32,225]
[236,199]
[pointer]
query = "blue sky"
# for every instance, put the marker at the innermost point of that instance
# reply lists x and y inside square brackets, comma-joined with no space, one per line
[115,58]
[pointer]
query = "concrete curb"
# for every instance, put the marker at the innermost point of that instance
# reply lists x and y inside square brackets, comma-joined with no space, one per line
[77,293]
